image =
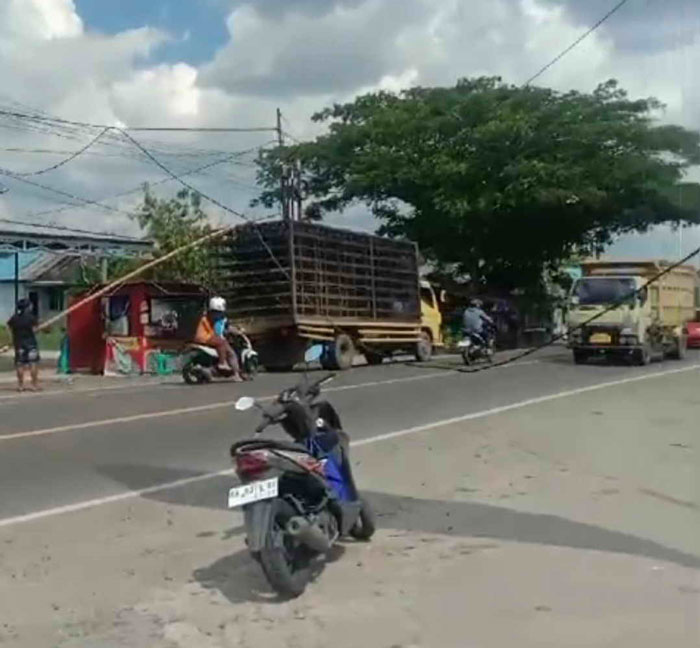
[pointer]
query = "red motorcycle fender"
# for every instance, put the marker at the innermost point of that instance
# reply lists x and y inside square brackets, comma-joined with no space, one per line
[258,517]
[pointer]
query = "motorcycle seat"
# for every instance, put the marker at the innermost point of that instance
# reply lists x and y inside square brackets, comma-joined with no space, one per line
[204,348]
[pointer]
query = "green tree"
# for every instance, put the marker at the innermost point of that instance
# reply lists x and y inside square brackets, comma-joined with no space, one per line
[494,181]
[172,223]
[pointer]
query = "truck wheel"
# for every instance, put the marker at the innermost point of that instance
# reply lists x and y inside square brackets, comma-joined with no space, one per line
[341,353]
[424,348]
[643,356]
[580,357]
[373,358]
[679,352]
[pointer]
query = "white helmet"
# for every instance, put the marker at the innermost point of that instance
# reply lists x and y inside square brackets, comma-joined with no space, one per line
[217,304]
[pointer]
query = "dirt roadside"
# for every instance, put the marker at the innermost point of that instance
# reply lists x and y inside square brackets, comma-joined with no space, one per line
[574,523]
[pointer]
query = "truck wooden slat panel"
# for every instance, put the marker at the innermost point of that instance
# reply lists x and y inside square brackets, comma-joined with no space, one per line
[334,275]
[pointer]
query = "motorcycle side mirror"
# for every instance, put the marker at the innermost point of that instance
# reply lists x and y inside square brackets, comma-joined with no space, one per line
[245,403]
[313,353]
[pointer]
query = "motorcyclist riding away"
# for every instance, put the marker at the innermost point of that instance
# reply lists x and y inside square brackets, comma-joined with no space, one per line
[211,332]
[476,322]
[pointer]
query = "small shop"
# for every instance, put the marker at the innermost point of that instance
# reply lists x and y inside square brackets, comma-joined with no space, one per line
[137,328]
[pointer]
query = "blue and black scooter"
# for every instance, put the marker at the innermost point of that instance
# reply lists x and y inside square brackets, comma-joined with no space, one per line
[298,497]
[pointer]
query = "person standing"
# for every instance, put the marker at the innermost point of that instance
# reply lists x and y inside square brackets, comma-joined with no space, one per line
[21,326]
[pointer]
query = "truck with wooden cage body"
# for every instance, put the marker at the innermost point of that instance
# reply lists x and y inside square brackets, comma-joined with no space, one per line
[290,284]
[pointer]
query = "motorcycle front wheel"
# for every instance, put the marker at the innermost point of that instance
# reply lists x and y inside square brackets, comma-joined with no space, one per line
[366,524]
[285,562]
[466,357]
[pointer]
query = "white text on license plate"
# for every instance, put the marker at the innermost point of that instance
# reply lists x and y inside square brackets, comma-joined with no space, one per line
[253,492]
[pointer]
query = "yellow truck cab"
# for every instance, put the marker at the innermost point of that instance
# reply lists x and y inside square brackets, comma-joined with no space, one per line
[647,322]
[431,317]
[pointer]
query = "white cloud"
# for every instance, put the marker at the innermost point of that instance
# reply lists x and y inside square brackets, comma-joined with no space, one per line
[300,55]
[40,19]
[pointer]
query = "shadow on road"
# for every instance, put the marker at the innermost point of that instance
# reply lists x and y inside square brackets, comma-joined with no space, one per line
[240,579]
[469,519]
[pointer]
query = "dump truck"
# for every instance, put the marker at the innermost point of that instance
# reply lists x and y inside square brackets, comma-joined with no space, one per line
[291,284]
[648,322]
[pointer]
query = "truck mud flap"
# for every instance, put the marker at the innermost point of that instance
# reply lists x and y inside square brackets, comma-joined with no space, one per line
[258,518]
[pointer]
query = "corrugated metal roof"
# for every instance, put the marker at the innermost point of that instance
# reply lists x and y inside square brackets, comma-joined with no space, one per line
[26,260]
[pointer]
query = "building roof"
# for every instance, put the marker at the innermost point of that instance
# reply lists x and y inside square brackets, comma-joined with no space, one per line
[12,239]
[34,265]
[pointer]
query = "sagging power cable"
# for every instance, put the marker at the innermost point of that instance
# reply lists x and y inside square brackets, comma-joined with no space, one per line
[58,165]
[208,198]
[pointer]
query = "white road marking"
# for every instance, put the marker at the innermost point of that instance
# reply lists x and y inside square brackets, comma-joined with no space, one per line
[197,408]
[100,501]
[111,499]
[11,399]
[212,406]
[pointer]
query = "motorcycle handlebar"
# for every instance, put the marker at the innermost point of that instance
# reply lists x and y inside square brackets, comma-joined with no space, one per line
[274,413]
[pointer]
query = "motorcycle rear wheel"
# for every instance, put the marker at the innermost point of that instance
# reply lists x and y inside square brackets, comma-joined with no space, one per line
[251,367]
[284,561]
[191,375]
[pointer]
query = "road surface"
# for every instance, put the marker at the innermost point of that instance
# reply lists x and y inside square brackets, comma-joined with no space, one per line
[552,503]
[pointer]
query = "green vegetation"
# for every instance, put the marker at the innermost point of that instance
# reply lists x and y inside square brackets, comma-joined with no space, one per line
[497,182]
[48,340]
[170,223]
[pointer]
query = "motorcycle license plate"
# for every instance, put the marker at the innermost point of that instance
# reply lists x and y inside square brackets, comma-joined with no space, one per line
[253,492]
[601,338]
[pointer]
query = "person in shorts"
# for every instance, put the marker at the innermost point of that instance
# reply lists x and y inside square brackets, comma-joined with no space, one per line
[21,326]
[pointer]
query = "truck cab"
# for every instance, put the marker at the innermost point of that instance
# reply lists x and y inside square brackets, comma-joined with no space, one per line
[637,322]
[431,317]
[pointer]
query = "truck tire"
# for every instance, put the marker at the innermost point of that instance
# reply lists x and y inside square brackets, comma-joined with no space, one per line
[679,351]
[340,353]
[642,357]
[424,348]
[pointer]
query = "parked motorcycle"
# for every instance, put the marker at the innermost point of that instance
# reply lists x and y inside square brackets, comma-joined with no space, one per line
[298,497]
[475,347]
[202,363]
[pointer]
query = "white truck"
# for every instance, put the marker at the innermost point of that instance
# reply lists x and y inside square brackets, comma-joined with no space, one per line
[648,322]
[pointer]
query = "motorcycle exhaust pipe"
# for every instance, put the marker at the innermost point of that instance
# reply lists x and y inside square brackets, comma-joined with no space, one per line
[308,534]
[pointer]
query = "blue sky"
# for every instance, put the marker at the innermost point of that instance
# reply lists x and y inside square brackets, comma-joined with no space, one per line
[198,27]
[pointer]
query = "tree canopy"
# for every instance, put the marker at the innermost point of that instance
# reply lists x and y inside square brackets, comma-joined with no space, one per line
[495,181]
[172,223]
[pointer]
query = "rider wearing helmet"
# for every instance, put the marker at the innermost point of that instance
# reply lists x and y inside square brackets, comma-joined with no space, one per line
[475,320]
[211,331]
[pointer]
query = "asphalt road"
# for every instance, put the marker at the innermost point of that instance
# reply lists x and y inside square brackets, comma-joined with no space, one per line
[553,503]
[69,446]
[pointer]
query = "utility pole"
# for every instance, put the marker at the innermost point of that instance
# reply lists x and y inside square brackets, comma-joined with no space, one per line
[283,172]
[16,282]
[298,196]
